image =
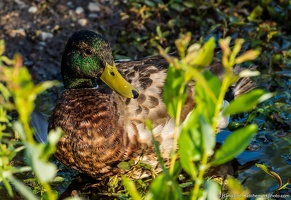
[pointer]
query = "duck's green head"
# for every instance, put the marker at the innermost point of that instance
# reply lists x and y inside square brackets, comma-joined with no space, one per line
[87,57]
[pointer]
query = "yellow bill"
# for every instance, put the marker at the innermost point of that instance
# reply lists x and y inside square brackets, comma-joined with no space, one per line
[111,77]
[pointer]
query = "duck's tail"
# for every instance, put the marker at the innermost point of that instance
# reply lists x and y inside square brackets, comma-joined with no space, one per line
[242,86]
[39,123]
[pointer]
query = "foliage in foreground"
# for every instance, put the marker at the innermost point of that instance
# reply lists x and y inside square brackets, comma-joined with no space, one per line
[197,138]
[16,136]
[196,141]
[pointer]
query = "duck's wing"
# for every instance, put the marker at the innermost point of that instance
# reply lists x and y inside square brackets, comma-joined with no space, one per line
[39,123]
[148,76]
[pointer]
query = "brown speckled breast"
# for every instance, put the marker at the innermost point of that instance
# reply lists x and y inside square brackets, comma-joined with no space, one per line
[95,140]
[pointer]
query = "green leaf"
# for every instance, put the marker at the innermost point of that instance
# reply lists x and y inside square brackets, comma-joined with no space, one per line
[44,170]
[212,190]
[190,144]
[271,173]
[130,186]
[174,90]
[257,11]
[23,189]
[208,136]
[124,165]
[2,47]
[246,102]
[161,188]
[236,190]
[249,55]
[5,92]
[17,126]
[204,56]
[54,136]
[234,144]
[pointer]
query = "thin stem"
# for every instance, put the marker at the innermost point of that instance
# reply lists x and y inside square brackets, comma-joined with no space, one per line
[200,176]
[50,194]
[28,132]
[176,131]
[224,87]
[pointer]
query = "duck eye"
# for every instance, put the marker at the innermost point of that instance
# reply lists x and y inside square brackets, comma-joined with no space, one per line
[89,52]
[112,73]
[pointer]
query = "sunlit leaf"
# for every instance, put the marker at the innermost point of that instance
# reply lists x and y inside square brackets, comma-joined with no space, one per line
[54,136]
[161,188]
[249,55]
[2,47]
[235,189]
[182,44]
[204,56]
[235,51]
[5,92]
[208,136]
[234,144]
[271,173]
[246,102]
[248,73]
[190,143]
[44,171]
[174,90]
[124,165]
[212,190]
[19,129]
[224,45]
[257,11]
[130,186]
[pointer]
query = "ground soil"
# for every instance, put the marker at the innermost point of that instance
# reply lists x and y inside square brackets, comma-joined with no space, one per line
[38,30]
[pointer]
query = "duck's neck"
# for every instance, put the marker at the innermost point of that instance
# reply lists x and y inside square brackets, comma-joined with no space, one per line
[74,83]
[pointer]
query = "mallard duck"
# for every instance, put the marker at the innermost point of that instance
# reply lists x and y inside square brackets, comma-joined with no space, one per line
[105,105]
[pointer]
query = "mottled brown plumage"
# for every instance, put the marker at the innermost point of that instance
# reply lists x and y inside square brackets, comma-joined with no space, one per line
[101,127]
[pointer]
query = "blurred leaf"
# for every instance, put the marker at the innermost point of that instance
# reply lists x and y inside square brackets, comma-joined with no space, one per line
[6,184]
[47,149]
[113,183]
[23,189]
[248,73]
[124,165]
[5,92]
[207,90]
[2,47]
[212,190]
[204,56]
[235,51]
[54,136]
[182,44]
[234,144]
[235,189]
[257,11]
[224,45]
[249,55]
[246,102]
[271,173]
[44,170]
[174,90]
[130,186]
[178,7]
[208,136]
[190,143]
[17,126]
[161,188]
